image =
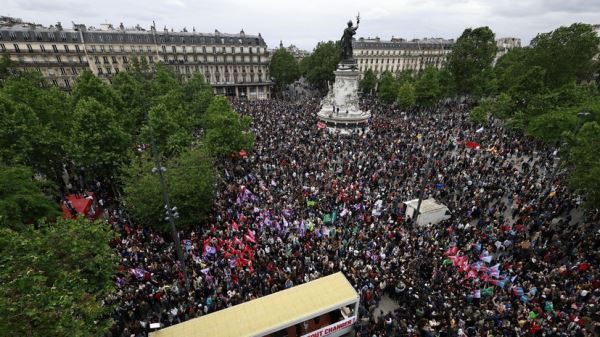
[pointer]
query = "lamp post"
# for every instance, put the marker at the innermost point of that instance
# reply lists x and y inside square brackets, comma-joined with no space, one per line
[171,213]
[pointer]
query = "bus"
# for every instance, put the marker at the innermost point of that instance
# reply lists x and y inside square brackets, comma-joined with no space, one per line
[327,306]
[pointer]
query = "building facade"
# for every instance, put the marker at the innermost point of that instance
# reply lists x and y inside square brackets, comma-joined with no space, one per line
[505,44]
[298,53]
[234,64]
[397,54]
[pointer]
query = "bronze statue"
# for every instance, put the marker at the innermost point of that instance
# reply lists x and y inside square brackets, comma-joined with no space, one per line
[346,41]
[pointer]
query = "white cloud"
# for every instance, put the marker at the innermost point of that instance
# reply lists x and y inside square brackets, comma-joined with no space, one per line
[306,22]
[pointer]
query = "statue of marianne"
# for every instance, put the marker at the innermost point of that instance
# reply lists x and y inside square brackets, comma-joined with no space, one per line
[346,40]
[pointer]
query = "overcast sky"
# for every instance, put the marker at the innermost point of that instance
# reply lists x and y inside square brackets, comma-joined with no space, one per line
[306,22]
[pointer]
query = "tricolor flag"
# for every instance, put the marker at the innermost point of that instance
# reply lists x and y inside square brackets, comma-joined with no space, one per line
[518,291]
[495,271]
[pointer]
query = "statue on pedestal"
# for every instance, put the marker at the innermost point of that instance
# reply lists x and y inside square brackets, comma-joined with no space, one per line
[346,41]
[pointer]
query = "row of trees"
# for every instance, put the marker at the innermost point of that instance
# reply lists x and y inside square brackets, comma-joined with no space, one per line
[117,134]
[317,68]
[469,72]
[548,90]
[94,132]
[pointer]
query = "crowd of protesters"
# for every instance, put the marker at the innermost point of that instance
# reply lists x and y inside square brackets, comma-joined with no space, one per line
[518,257]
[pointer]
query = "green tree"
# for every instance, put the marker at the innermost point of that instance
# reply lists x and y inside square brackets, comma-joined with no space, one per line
[407,75]
[36,124]
[54,279]
[319,66]
[284,68]
[550,126]
[566,54]
[368,83]
[447,83]
[407,97]
[164,81]
[472,54]
[7,67]
[511,66]
[226,132]
[190,178]
[23,199]
[133,91]
[165,127]
[87,85]
[197,96]
[583,158]
[481,113]
[99,142]
[387,89]
[427,88]
[527,87]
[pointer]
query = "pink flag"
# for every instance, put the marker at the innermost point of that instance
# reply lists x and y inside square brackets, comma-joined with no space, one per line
[471,274]
[451,251]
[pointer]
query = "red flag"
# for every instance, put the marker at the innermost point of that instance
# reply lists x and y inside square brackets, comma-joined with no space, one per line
[235,226]
[321,125]
[243,154]
[250,234]
[472,145]
[250,237]
[237,241]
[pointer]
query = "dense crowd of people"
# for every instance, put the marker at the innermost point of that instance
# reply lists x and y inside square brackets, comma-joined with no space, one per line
[518,256]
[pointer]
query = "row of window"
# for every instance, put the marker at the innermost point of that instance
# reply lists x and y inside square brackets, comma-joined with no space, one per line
[140,49]
[399,67]
[403,52]
[17,49]
[406,60]
[139,38]
[38,36]
[167,39]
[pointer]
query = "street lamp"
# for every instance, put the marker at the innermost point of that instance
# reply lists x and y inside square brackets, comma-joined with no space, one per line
[171,213]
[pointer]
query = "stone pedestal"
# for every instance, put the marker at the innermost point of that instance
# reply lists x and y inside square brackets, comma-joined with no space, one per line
[340,110]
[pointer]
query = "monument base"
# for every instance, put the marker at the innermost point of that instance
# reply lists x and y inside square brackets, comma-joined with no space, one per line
[340,110]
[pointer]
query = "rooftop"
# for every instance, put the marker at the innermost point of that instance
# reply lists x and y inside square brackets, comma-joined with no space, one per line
[275,311]
[427,205]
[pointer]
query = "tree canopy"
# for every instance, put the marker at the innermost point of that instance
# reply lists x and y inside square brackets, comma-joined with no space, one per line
[369,82]
[407,96]
[545,90]
[24,199]
[54,279]
[190,179]
[319,66]
[284,68]
[226,132]
[387,89]
[472,55]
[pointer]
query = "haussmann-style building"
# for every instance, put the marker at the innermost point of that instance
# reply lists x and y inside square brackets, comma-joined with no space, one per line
[235,65]
[399,54]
